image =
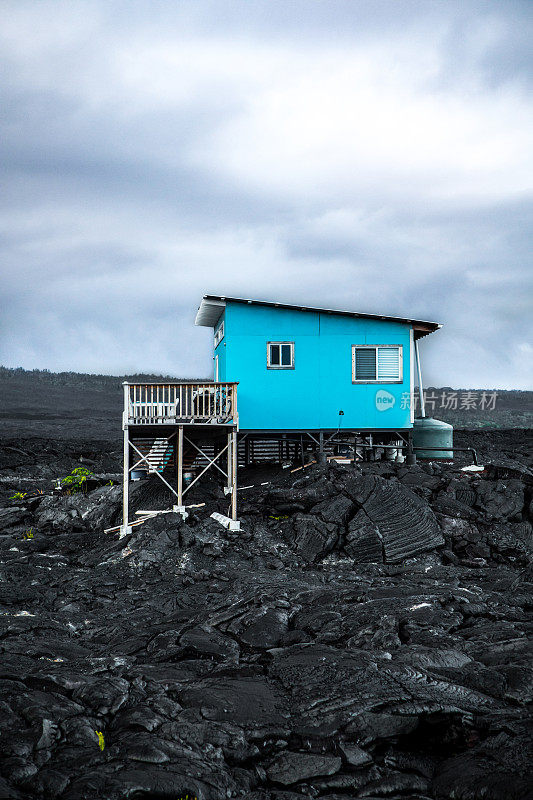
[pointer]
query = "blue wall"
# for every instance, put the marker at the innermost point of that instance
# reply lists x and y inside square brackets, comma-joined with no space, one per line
[310,395]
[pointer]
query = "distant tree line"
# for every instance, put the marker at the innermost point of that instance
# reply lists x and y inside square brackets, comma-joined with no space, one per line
[82,379]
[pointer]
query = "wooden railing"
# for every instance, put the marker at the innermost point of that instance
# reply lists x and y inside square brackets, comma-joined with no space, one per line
[164,403]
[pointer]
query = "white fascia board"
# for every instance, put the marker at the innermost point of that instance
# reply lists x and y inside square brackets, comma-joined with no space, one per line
[209,312]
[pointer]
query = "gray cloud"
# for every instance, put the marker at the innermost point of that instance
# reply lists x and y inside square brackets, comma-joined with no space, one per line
[367,155]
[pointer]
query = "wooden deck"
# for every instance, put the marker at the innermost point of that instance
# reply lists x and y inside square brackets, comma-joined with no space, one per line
[180,403]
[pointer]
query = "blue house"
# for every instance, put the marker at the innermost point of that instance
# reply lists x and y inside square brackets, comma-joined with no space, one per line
[289,382]
[313,369]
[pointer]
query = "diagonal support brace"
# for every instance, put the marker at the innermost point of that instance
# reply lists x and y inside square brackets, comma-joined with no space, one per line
[174,492]
[207,457]
[211,463]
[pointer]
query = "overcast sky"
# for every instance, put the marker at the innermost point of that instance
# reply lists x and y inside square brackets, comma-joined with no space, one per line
[372,156]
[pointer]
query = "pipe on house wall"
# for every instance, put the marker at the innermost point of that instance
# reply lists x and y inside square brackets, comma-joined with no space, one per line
[420,388]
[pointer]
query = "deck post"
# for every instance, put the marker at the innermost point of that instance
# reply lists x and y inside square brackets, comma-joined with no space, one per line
[234,474]
[321,456]
[125,528]
[180,465]
[411,457]
[230,463]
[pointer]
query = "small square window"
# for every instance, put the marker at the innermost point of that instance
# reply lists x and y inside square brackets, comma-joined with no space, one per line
[280,355]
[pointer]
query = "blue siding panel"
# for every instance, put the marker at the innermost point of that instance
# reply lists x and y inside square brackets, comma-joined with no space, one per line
[310,395]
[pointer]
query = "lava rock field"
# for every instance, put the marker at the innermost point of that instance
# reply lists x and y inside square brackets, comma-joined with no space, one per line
[365,635]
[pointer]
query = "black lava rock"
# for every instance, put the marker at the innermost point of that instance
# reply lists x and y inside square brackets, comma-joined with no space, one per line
[366,634]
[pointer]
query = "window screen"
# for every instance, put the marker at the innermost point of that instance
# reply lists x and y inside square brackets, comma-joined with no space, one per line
[380,363]
[280,355]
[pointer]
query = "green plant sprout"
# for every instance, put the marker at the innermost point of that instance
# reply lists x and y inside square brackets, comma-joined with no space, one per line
[18,496]
[75,482]
[28,534]
[101,740]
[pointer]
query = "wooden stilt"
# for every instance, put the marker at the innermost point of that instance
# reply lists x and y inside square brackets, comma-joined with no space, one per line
[180,465]
[230,462]
[124,528]
[126,479]
[234,475]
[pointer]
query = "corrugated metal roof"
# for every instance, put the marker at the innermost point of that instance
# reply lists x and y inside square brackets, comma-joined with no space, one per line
[212,307]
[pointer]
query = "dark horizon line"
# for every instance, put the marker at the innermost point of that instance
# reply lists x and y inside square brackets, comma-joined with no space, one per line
[154,375]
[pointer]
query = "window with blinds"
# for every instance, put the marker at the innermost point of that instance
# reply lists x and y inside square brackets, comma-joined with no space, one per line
[377,363]
[365,363]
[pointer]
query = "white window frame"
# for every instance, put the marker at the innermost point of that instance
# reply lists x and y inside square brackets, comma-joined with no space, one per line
[219,335]
[280,366]
[375,347]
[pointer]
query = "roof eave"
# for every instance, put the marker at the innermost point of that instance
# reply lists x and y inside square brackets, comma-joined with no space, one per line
[212,307]
[210,311]
[424,330]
